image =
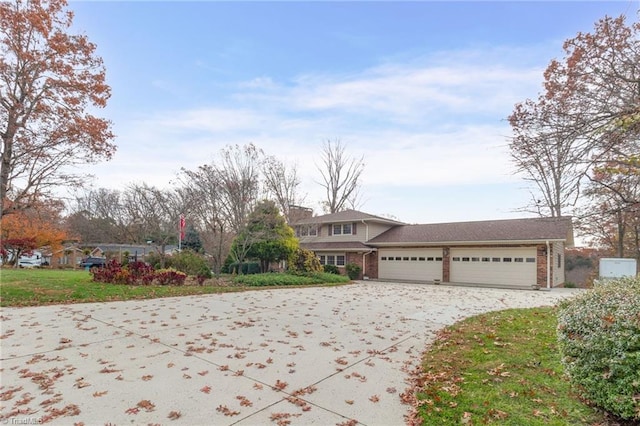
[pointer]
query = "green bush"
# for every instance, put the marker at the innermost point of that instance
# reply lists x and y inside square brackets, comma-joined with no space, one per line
[331,269]
[599,341]
[284,279]
[304,261]
[248,268]
[353,270]
[191,263]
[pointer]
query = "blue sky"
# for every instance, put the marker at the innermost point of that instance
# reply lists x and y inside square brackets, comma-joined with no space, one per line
[421,89]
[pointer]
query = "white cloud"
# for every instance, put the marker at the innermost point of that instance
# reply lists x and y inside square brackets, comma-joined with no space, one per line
[435,122]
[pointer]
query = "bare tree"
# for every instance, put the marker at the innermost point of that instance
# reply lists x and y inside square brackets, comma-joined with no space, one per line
[157,212]
[282,183]
[340,176]
[239,183]
[221,195]
[49,81]
[588,114]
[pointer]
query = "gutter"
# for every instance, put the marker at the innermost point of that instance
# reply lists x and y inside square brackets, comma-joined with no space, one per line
[548,266]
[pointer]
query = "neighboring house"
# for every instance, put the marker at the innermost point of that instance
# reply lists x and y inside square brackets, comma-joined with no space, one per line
[69,256]
[513,252]
[136,252]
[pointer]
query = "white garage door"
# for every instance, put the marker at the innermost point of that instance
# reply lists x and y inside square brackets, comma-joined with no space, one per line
[410,264]
[503,266]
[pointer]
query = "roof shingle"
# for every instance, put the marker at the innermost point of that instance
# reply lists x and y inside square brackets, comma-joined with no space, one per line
[537,229]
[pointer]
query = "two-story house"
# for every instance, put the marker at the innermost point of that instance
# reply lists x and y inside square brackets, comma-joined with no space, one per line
[525,253]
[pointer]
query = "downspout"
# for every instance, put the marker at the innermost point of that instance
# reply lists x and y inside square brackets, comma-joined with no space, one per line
[364,262]
[364,255]
[548,266]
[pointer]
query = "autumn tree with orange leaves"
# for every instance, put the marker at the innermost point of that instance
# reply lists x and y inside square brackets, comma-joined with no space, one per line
[28,229]
[49,81]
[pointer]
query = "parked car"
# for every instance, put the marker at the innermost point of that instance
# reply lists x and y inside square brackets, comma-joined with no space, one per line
[93,262]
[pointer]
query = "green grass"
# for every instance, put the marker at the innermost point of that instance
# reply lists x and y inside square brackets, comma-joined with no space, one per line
[34,287]
[499,368]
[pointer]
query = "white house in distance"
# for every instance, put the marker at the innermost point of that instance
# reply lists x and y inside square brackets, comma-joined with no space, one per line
[521,253]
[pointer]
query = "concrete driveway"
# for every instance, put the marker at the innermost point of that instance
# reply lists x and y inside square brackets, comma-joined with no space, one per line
[296,356]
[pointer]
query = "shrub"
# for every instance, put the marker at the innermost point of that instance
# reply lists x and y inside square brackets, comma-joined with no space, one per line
[248,268]
[331,269]
[170,277]
[353,270]
[304,261]
[191,263]
[283,279]
[142,272]
[599,341]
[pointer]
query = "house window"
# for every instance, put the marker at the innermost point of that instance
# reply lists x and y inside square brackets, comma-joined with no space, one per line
[506,259]
[342,229]
[405,258]
[486,259]
[332,259]
[531,260]
[518,259]
[421,259]
[430,259]
[475,259]
[414,258]
[304,230]
[559,260]
[438,259]
[383,258]
[495,259]
[313,230]
[456,259]
[465,259]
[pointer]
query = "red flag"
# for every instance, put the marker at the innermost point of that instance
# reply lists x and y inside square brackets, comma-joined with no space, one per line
[182,224]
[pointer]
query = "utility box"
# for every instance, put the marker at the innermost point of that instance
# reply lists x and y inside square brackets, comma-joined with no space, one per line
[617,267]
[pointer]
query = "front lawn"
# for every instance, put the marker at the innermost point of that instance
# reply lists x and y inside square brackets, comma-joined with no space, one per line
[34,287]
[498,368]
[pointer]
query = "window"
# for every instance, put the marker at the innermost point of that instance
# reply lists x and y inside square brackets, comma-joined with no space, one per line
[405,258]
[438,259]
[331,260]
[414,258]
[398,258]
[531,260]
[323,259]
[486,259]
[430,259]
[304,230]
[495,259]
[456,259]
[342,229]
[506,259]
[383,258]
[465,259]
[518,259]
[340,260]
[421,259]
[475,259]
[336,259]
[559,260]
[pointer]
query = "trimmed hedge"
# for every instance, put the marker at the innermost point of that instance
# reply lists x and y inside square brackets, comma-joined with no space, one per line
[284,279]
[599,342]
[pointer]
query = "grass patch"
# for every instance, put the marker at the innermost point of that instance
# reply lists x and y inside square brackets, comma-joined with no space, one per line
[35,287]
[499,368]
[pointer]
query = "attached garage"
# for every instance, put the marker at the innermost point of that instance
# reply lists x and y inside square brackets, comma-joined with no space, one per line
[410,264]
[509,266]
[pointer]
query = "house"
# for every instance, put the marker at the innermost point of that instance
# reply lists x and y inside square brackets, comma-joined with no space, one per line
[522,253]
[69,256]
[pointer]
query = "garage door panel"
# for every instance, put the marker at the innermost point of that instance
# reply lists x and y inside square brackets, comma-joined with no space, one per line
[504,266]
[410,264]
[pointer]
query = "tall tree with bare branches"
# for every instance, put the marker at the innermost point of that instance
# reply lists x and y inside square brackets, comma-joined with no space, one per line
[341,176]
[50,81]
[282,184]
